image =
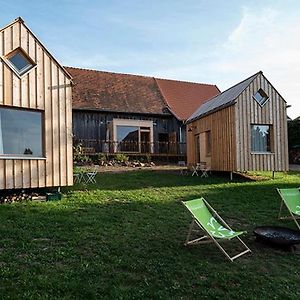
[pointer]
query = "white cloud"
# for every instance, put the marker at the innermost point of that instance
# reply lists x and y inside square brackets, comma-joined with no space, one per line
[266,40]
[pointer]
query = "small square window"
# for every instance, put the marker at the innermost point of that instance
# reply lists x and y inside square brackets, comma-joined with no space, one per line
[19,61]
[261,97]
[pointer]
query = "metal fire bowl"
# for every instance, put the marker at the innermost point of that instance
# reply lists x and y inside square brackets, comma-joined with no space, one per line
[279,236]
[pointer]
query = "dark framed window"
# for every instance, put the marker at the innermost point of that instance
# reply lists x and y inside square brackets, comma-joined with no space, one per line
[128,138]
[19,61]
[208,142]
[21,132]
[261,138]
[261,97]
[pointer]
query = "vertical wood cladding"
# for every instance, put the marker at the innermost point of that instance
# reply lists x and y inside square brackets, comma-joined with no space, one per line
[46,88]
[273,113]
[93,125]
[222,127]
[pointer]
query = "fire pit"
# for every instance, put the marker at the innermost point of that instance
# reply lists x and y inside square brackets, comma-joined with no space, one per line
[278,236]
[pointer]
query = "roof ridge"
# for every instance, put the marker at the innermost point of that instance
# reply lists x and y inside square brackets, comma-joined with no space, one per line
[109,72]
[184,81]
[16,20]
[255,74]
[191,118]
[139,75]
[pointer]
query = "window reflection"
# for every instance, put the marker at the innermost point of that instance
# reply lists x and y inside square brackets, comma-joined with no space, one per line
[128,138]
[20,132]
[260,138]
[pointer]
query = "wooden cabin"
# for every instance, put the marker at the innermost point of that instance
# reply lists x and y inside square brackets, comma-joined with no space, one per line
[242,129]
[35,113]
[133,114]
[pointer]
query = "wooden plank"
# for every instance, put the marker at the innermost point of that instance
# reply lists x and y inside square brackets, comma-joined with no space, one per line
[18,182]
[16,90]
[48,120]
[68,118]
[42,173]
[62,128]
[40,70]
[34,175]
[8,89]
[26,173]
[32,74]
[9,174]
[2,174]
[55,125]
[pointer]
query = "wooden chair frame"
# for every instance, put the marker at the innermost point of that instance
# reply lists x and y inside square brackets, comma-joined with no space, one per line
[205,239]
[291,216]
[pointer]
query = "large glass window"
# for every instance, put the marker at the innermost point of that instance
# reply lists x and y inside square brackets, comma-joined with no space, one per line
[20,132]
[261,138]
[128,138]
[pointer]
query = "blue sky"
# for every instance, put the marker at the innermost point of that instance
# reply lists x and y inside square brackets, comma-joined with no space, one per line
[219,42]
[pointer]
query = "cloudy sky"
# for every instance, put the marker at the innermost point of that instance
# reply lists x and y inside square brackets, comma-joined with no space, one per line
[220,42]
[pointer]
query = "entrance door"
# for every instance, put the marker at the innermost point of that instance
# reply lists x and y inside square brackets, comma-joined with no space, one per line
[145,141]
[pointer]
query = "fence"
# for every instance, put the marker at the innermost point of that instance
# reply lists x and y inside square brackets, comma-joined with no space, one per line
[131,147]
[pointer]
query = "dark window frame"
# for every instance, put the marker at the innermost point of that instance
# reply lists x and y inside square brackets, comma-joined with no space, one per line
[14,68]
[264,97]
[43,142]
[270,139]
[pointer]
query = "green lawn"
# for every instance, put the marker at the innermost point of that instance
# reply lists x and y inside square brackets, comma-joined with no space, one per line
[123,239]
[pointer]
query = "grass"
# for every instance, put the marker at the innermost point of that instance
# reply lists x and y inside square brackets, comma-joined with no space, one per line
[123,239]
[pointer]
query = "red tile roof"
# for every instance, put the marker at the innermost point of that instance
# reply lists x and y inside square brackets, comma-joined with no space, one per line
[183,97]
[106,91]
[97,90]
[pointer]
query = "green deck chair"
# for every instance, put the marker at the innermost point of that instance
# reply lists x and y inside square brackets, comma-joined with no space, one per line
[205,217]
[291,199]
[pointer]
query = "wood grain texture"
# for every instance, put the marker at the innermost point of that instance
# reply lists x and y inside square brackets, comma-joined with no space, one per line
[273,113]
[223,143]
[46,88]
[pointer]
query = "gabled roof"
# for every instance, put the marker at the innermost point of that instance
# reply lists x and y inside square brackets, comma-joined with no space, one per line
[222,100]
[21,21]
[107,91]
[183,97]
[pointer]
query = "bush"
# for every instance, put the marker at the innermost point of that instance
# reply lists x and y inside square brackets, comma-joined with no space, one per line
[121,158]
[79,157]
[101,158]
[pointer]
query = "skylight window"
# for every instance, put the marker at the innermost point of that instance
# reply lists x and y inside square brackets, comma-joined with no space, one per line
[19,61]
[261,97]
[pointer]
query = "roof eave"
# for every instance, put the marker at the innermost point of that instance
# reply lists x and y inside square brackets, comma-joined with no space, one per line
[211,111]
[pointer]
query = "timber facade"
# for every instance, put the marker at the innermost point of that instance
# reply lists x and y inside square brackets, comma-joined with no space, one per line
[242,129]
[133,114]
[35,113]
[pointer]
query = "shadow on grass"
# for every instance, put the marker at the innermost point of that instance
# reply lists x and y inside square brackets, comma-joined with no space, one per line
[155,179]
[116,241]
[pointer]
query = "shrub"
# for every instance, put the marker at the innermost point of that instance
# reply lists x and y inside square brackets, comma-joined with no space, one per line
[121,158]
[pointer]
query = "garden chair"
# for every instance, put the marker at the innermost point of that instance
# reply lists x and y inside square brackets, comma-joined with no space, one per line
[195,169]
[90,177]
[291,199]
[184,169]
[202,166]
[214,227]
